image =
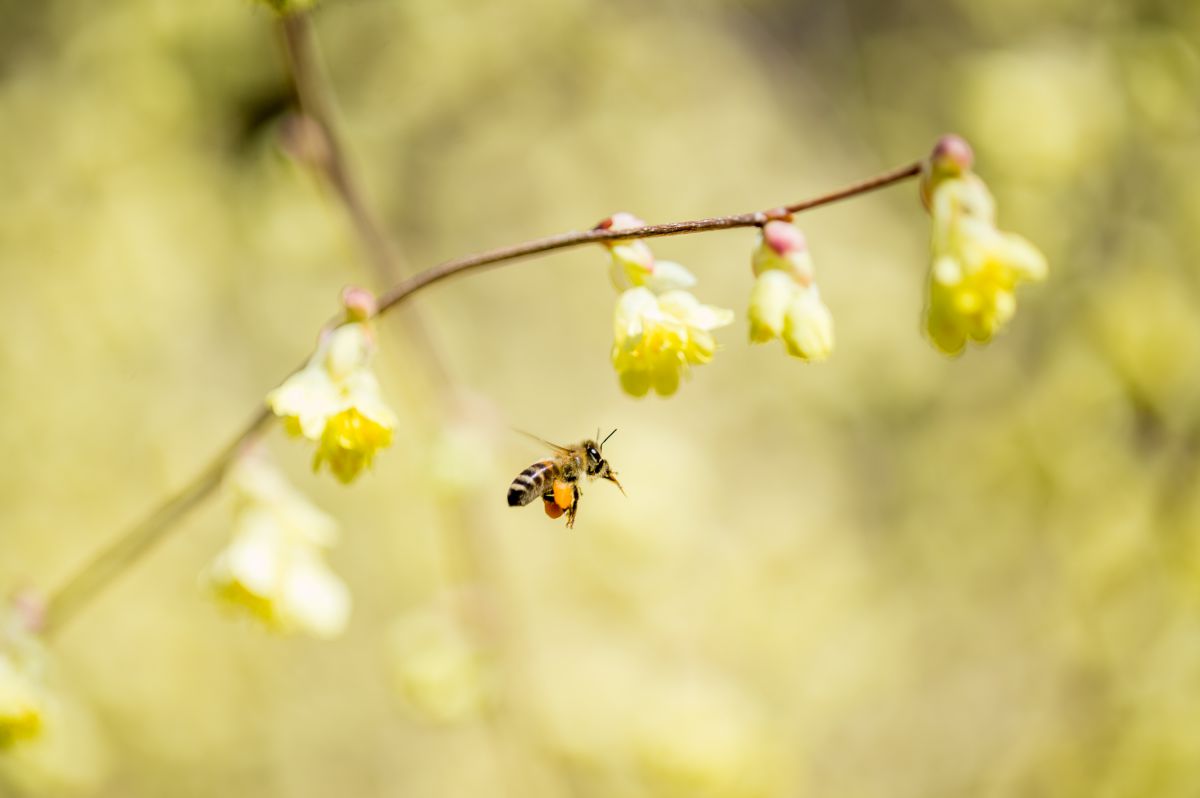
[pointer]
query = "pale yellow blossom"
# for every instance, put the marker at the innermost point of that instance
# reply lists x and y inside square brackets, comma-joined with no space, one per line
[48,741]
[785,302]
[660,328]
[975,268]
[22,703]
[336,402]
[657,338]
[274,568]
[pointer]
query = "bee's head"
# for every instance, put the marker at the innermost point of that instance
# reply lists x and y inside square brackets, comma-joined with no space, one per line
[597,466]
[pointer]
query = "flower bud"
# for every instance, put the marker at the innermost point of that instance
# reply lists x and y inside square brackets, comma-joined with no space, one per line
[785,302]
[304,140]
[951,157]
[29,610]
[359,303]
[632,261]
[782,246]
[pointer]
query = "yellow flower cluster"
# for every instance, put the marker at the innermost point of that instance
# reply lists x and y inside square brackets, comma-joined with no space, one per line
[335,401]
[785,302]
[660,329]
[274,569]
[975,267]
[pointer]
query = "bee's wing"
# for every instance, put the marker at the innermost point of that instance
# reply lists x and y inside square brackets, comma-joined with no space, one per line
[552,446]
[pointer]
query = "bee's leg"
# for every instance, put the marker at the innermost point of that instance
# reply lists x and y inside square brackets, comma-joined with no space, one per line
[574,508]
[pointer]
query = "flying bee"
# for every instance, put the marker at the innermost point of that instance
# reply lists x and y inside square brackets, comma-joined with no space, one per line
[557,479]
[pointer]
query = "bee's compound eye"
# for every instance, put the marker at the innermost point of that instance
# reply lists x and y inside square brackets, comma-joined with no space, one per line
[592,453]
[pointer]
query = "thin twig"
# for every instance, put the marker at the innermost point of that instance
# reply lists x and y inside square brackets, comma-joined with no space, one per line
[98,572]
[576,238]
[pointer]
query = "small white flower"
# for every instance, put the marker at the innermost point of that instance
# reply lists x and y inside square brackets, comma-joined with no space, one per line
[274,568]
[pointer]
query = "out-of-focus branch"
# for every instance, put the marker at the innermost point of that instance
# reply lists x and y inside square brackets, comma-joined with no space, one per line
[98,572]
[102,568]
[317,113]
[315,102]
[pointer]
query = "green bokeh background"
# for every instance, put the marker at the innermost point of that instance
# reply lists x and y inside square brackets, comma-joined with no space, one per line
[895,574]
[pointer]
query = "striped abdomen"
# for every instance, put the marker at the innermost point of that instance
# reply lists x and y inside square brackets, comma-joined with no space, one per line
[532,482]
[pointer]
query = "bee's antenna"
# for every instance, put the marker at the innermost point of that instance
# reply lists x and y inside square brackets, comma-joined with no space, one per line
[606,437]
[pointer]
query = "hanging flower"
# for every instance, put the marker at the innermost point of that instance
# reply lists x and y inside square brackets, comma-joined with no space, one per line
[975,267]
[785,302]
[335,401]
[660,328]
[274,568]
[49,743]
[22,703]
[656,338]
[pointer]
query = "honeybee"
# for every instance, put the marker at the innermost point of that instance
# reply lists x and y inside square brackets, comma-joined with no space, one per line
[557,479]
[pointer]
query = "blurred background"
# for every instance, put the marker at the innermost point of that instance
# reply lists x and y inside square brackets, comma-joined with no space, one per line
[895,574]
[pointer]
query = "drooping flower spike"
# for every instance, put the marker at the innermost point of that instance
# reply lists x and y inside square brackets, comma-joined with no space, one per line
[785,302]
[22,699]
[660,329]
[336,401]
[975,268]
[274,568]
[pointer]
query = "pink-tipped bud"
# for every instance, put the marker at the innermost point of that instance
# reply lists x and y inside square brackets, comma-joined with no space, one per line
[304,140]
[620,221]
[951,158]
[782,246]
[29,610]
[784,238]
[359,303]
[952,155]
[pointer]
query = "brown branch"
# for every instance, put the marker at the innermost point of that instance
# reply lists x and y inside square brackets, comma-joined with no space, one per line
[98,572]
[576,238]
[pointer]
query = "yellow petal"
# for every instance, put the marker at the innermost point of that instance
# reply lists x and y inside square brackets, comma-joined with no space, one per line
[773,291]
[808,327]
